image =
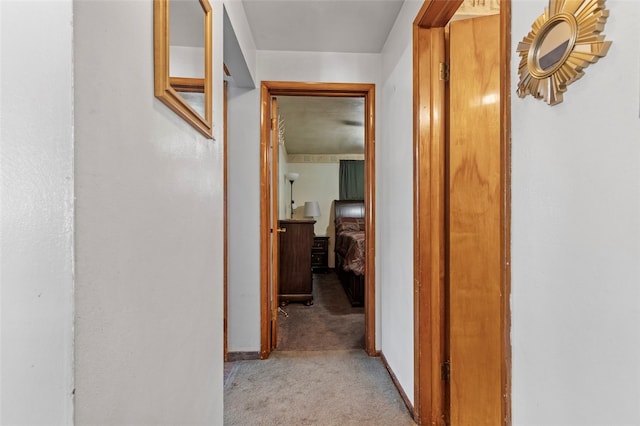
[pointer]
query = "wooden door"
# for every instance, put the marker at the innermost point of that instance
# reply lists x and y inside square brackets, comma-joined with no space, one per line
[474,218]
[274,216]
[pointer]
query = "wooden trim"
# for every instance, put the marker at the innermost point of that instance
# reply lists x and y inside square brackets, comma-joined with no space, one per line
[398,386]
[208,71]
[265,200]
[281,88]
[289,88]
[225,223]
[429,225]
[187,84]
[370,221]
[436,13]
[275,255]
[430,321]
[505,220]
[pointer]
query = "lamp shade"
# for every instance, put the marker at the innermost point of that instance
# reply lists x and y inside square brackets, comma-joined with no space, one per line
[311,209]
[292,176]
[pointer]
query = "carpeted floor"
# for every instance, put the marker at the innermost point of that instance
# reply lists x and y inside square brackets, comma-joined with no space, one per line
[343,387]
[319,375]
[330,323]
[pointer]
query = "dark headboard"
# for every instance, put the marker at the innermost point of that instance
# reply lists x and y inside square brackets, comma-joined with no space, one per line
[348,208]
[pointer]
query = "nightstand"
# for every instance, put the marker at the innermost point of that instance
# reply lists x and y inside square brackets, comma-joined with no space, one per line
[320,254]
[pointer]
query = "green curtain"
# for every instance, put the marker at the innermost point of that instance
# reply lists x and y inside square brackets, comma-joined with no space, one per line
[352,179]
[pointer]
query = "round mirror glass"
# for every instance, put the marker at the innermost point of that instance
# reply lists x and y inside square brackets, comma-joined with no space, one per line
[553,45]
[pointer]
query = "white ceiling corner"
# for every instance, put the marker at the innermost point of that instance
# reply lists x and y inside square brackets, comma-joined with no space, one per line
[354,26]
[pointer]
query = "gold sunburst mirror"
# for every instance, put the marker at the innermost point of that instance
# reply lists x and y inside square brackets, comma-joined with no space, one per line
[563,41]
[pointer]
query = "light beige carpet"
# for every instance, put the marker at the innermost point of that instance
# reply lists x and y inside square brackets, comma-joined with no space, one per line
[340,387]
[319,375]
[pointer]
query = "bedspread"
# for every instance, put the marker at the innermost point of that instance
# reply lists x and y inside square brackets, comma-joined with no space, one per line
[350,245]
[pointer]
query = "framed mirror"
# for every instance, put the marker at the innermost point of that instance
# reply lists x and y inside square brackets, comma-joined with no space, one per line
[182,59]
[563,41]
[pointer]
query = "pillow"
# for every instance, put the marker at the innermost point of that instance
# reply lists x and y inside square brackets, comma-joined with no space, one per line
[361,223]
[345,224]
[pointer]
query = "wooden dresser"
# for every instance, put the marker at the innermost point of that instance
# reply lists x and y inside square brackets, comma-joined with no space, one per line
[294,273]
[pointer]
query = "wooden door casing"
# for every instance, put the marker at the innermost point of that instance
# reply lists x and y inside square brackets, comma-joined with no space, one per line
[288,88]
[431,221]
[430,404]
[274,207]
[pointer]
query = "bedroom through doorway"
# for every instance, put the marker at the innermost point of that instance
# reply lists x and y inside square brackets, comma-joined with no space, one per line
[308,130]
[321,271]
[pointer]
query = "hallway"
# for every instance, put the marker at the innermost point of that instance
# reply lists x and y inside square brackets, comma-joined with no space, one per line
[342,387]
[114,212]
[301,384]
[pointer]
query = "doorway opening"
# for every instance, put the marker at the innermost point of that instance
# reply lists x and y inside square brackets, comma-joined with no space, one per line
[269,201]
[461,216]
[320,164]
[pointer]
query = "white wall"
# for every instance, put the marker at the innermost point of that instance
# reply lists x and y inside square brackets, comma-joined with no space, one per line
[149,271]
[244,48]
[317,182]
[36,203]
[395,199]
[244,168]
[576,238]
[243,203]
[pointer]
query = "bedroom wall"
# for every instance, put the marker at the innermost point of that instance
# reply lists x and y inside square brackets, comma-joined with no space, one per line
[317,182]
[284,186]
[244,180]
[576,238]
[149,272]
[36,210]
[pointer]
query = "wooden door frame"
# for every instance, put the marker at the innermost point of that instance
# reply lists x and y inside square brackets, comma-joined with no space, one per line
[225,221]
[282,88]
[430,195]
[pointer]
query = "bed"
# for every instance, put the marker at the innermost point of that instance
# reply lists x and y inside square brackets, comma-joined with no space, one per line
[350,248]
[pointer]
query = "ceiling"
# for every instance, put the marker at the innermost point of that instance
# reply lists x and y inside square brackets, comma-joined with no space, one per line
[322,125]
[356,26]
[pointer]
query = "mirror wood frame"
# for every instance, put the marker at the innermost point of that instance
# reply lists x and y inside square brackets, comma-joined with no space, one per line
[167,87]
